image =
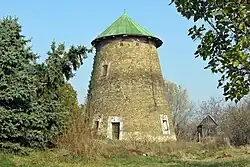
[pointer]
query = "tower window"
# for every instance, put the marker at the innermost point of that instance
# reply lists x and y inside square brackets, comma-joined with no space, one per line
[96,123]
[104,70]
[165,124]
[96,126]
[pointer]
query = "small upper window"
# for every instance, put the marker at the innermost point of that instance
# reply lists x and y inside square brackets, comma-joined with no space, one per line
[104,70]
[165,124]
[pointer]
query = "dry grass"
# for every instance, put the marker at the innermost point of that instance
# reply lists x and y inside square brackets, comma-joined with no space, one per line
[78,140]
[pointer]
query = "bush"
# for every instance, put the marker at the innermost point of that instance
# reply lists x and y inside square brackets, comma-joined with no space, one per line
[77,138]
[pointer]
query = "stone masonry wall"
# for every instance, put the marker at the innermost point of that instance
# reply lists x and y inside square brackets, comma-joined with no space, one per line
[132,89]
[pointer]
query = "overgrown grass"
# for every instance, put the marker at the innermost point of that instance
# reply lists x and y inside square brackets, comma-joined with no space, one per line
[78,141]
[78,148]
[58,158]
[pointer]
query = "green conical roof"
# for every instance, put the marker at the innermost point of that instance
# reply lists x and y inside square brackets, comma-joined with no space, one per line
[124,25]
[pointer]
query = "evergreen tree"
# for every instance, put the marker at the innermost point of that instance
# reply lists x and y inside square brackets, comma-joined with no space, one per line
[32,111]
[17,83]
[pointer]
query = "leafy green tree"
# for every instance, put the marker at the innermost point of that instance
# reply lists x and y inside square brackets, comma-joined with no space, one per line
[32,104]
[224,40]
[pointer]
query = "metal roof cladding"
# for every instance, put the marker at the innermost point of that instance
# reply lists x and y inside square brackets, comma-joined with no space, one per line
[124,25]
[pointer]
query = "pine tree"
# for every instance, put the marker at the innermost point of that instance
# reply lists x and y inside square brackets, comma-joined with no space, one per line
[32,109]
[17,83]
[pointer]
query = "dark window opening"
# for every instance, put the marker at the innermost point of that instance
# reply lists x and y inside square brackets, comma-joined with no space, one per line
[104,70]
[97,124]
[165,125]
[116,130]
[121,44]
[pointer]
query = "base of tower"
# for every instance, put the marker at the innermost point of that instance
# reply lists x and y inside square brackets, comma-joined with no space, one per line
[140,136]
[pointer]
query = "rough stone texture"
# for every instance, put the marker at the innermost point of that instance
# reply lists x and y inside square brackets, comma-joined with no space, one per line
[132,89]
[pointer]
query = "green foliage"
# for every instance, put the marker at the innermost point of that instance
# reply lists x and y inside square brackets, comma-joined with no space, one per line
[224,42]
[14,148]
[17,88]
[68,98]
[33,107]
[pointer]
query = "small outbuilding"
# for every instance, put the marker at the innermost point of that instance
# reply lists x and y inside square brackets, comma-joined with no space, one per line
[207,128]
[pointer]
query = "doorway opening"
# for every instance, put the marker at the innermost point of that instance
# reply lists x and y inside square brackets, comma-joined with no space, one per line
[116,130]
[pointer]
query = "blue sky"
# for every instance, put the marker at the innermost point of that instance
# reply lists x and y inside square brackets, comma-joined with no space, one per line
[79,22]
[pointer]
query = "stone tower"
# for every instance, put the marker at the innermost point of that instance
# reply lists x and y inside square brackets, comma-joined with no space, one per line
[125,98]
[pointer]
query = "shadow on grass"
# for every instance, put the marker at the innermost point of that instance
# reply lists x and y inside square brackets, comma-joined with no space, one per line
[155,162]
[5,162]
[227,163]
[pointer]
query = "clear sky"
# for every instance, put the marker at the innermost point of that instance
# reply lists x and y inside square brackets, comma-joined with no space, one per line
[79,22]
